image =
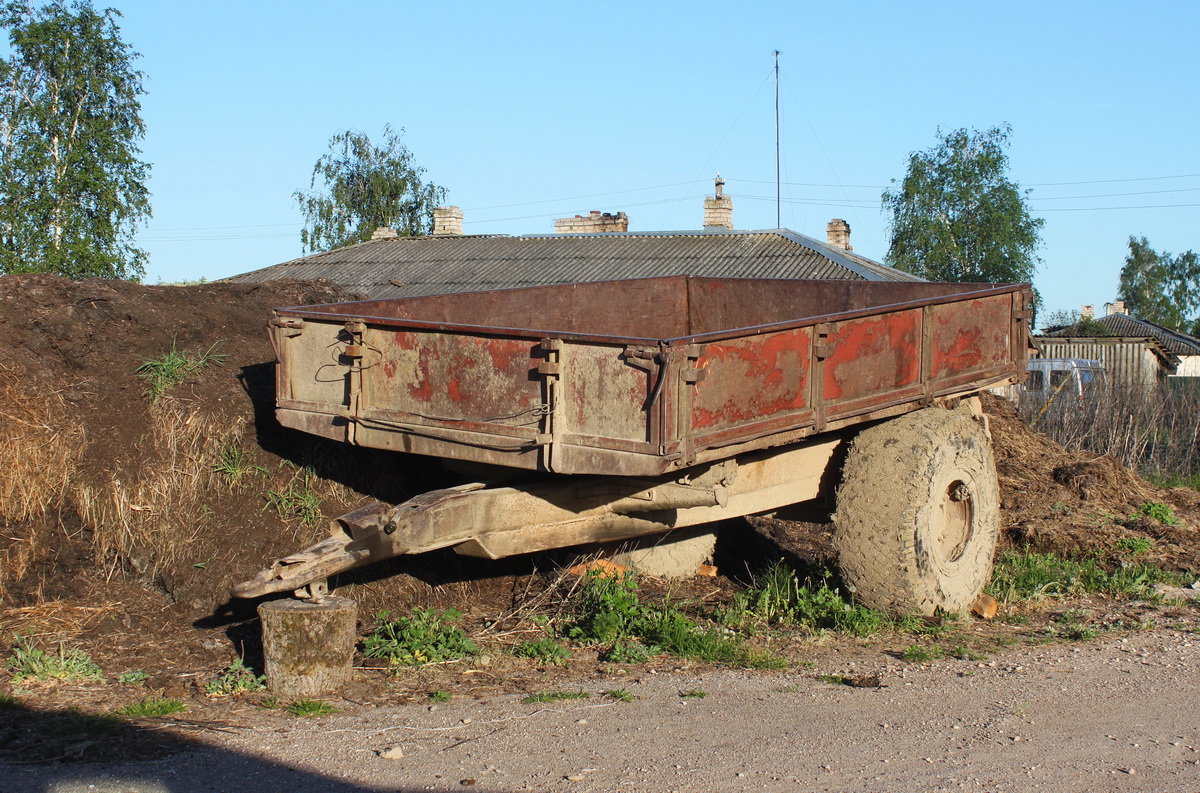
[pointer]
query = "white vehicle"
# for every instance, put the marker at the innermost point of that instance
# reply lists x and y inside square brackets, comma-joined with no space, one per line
[1058,378]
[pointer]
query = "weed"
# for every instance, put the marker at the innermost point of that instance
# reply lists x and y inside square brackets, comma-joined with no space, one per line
[1026,575]
[964,653]
[67,664]
[233,463]
[174,367]
[620,695]
[297,501]
[778,595]
[152,707]
[236,678]
[270,703]
[134,677]
[310,707]
[439,696]
[1133,546]
[918,654]
[1159,512]
[628,652]
[426,637]
[693,693]
[1070,625]
[610,611]
[545,650]
[835,680]
[555,696]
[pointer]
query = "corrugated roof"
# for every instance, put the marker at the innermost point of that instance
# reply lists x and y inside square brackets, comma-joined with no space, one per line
[408,266]
[1125,325]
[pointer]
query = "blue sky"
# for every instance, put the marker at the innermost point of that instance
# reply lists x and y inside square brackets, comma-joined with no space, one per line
[530,111]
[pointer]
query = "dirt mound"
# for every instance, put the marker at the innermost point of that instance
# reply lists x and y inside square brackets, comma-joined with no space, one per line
[1071,502]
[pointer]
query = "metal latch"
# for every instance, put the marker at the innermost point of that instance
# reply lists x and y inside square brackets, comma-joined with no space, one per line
[822,348]
[289,323]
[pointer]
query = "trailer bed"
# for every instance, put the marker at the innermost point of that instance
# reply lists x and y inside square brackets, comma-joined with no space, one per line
[638,377]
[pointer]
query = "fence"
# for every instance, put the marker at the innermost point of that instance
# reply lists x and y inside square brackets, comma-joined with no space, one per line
[1150,430]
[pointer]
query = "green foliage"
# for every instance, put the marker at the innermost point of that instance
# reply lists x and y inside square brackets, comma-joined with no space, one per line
[357,187]
[779,596]
[439,696]
[628,652]
[693,693]
[310,707]
[1071,625]
[297,500]
[152,707]
[1133,546]
[134,677]
[545,650]
[1159,512]
[235,679]
[1073,324]
[620,695]
[174,367]
[67,664]
[919,654]
[1161,288]
[233,463]
[556,696]
[426,637]
[957,216]
[610,611]
[72,186]
[1027,575]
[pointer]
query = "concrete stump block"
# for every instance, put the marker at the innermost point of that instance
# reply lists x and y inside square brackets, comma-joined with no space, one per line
[308,646]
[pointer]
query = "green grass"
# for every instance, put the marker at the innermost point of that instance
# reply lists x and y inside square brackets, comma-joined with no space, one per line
[1072,625]
[297,500]
[620,695]
[556,696]
[235,679]
[426,637]
[134,677]
[233,464]
[920,654]
[1174,480]
[308,708]
[152,707]
[66,664]
[1159,512]
[693,693]
[545,650]
[1029,575]
[610,611]
[174,367]
[779,596]
[439,696]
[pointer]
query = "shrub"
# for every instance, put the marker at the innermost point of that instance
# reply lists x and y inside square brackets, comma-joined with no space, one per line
[426,637]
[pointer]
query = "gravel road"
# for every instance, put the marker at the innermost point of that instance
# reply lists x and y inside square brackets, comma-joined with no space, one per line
[1120,714]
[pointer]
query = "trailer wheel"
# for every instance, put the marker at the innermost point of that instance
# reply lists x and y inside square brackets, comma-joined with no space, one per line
[917,514]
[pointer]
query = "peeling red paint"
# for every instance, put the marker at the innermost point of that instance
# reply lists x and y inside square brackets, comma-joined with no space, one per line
[752,379]
[873,354]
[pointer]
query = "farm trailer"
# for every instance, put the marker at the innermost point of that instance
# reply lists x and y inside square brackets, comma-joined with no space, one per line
[640,407]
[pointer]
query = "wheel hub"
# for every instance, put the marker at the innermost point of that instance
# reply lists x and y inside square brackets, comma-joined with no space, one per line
[957,515]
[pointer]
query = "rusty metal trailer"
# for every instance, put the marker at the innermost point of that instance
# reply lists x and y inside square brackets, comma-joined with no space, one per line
[670,402]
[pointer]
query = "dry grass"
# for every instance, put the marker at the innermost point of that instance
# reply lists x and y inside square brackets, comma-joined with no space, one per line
[40,448]
[155,519]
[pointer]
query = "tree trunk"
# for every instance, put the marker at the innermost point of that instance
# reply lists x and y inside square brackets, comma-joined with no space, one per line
[308,647]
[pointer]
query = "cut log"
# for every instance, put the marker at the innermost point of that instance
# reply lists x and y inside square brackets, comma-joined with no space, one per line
[308,646]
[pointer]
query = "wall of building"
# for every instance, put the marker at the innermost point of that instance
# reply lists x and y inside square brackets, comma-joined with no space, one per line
[1126,361]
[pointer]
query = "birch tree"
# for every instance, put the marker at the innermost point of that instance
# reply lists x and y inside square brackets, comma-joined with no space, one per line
[72,184]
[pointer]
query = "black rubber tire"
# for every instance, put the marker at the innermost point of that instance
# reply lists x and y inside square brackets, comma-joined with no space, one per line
[918,511]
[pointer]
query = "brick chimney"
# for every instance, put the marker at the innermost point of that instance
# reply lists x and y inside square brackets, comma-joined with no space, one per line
[384,233]
[837,233]
[1115,307]
[1087,311]
[447,222]
[718,209]
[595,222]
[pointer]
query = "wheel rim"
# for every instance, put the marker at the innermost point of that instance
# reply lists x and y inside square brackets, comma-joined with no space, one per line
[956,521]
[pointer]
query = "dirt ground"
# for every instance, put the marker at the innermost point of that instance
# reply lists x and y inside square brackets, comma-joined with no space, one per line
[125,519]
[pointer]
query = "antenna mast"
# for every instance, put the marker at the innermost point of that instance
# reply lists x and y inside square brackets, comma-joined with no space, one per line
[778,223]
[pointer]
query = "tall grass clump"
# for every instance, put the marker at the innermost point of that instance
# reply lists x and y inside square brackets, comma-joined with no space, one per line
[1031,575]
[778,596]
[1153,430]
[174,367]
